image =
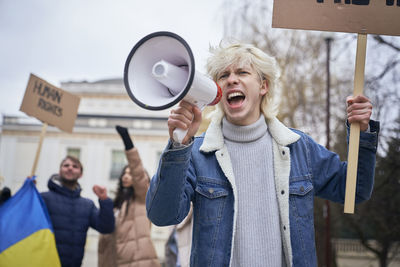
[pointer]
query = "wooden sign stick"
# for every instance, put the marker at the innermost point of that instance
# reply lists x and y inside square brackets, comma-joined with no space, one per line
[42,134]
[354,142]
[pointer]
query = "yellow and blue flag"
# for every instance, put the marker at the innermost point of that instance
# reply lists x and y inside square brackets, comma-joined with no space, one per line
[26,233]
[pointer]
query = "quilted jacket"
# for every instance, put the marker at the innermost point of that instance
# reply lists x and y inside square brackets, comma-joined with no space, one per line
[71,216]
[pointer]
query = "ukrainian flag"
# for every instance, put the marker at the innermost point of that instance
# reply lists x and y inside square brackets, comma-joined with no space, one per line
[26,233]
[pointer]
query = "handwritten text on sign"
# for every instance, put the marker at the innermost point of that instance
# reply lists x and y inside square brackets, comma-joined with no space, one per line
[362,2]
[50,104]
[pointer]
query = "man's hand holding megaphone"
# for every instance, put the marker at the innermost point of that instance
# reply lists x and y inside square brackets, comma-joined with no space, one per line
[187,117]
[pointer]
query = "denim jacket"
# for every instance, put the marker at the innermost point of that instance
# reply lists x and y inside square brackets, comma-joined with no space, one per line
[202,173]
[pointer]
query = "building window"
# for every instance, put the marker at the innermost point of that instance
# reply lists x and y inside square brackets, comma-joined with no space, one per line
[74,151]
[118,162]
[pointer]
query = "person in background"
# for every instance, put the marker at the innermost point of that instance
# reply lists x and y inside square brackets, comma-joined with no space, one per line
[5,194]
[71,215]
[179,243]
[130,244]
[252,180]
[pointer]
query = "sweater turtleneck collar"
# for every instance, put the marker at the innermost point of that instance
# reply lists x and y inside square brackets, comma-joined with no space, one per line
[243,134]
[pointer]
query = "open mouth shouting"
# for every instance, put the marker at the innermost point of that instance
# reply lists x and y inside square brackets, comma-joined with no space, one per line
[235,99]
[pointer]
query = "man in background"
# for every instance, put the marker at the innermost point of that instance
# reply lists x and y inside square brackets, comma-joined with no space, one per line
[72,215]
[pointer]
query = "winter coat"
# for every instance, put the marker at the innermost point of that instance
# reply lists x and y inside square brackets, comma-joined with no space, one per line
[202,173]
[184,239]
[71,216]
[179,243]
[130,245]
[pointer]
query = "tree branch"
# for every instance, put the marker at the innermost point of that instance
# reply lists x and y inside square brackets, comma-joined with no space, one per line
[380,40]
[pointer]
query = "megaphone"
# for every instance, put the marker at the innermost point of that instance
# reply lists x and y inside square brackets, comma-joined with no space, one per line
[160,71]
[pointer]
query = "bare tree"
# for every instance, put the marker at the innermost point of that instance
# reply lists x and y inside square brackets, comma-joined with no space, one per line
[376,223]
[383,82]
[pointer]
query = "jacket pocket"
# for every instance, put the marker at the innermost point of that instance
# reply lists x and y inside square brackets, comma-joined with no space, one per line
[211,198]
[301,197]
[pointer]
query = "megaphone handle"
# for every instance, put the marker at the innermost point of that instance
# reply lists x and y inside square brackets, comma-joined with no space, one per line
[179,134]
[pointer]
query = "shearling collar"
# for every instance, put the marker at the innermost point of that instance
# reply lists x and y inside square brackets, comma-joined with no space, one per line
[214,140]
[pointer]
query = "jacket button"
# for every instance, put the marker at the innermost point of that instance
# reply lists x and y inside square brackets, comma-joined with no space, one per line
[283,192]
[284,227]
[211,190]
[302,189]
[283,152]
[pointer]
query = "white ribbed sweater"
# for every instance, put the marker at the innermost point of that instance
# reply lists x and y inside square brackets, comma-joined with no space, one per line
[257,239]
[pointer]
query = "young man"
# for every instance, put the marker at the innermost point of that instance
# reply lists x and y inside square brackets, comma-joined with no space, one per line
[252,180]
[71,214]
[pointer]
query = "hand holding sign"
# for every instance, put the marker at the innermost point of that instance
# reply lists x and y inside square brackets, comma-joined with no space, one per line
[359,109]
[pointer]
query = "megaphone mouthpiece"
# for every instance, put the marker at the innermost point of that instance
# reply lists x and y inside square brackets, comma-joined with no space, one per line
[173,77]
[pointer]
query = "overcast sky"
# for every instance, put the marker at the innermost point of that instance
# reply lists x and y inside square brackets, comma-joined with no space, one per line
[77,40]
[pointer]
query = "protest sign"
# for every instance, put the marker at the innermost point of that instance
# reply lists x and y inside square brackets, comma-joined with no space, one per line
[50,104]
[356,16]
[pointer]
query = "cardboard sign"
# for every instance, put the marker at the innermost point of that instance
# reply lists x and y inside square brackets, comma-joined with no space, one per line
[356,16]
[50,104]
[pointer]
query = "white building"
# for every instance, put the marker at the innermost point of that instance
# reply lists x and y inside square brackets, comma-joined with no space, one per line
[104,104]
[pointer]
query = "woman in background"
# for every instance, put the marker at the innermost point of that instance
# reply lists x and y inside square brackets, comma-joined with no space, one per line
[130,245]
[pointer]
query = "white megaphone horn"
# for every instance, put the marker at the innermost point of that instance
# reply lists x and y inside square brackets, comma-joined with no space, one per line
[160,71]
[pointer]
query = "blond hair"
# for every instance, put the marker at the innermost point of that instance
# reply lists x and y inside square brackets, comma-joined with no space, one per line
[240,55]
